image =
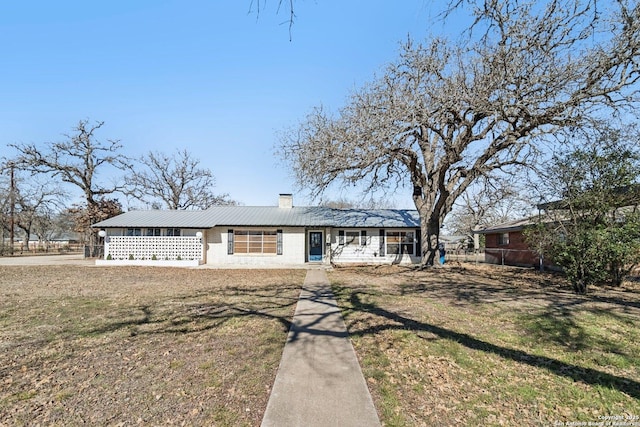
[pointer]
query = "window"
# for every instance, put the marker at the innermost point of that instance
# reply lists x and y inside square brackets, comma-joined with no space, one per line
[134,232]
[255,242]
[153,232]
[503,239]
[173,232]
[352,238]
[400,242]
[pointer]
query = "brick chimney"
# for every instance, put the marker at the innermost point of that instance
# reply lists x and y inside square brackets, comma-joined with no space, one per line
[285,201]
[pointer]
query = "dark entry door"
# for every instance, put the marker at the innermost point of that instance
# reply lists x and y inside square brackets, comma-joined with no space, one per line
[315,246]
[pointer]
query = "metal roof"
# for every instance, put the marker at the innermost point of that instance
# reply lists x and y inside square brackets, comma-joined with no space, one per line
[155,218]
[378,218]
[514,225]
[269,216]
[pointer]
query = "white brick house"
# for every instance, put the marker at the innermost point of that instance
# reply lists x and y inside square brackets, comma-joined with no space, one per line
[270,235]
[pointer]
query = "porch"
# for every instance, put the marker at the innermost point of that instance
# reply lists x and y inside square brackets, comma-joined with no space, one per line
[175,251]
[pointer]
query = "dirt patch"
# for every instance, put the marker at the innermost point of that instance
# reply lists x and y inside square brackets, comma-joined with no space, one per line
[135,345]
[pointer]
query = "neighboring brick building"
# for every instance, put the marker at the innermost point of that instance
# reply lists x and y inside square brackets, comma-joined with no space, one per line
[505,244]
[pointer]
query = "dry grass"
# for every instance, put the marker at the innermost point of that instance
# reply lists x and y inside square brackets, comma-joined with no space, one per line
[453,346]
[482,345]
[154,346]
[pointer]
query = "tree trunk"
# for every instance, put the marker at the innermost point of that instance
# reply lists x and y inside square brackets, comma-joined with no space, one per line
[617,273]
[580,287]
[430,237]
[580,284]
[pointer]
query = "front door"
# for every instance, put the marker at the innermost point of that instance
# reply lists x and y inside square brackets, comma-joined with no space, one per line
[315,246]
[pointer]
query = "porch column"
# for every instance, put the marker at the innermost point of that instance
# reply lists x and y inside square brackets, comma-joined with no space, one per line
[327,245]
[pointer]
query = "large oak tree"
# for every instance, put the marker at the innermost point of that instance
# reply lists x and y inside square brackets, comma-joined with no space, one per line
[78,159]
[444,114]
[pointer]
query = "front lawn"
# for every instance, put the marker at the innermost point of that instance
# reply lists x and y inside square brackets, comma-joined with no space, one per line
[141,346]
[483,345]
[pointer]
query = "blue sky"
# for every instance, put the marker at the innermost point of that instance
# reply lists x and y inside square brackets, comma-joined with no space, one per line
[206,76]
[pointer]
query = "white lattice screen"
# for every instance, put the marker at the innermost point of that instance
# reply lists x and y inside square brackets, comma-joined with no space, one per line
[145,248]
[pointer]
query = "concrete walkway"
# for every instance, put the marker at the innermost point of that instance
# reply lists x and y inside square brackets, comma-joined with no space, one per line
[319,381]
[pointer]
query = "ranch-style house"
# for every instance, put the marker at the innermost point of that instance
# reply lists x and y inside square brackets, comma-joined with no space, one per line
[261,236]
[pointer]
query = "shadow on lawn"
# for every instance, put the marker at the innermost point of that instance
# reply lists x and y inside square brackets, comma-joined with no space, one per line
[543,289]
[543,308]
[400,322]
[318,319]
[200,312]
[192,317]
[543,305]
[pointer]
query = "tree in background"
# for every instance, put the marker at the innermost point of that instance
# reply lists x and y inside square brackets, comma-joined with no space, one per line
[174,182]
[77,160]
[346,203]
[84,216]
[5,214]
[443,115]
[593,230]
[491,201]
[36,205]
[25,204]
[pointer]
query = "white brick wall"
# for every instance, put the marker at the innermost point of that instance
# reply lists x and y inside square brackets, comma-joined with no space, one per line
[293,248]
[356,253]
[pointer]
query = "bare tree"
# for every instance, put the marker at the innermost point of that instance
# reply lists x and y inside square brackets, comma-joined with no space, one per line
[346,203]
[489,201]
[254,5]
[84,216]
[36,204]
[442,115]
[5,214]
[177,182]
[77,161]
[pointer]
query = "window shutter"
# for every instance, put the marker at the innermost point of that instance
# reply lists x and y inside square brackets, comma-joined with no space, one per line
[382,245]
[230,242]
[341,237]
[278,242]
[363,238]
[418,242]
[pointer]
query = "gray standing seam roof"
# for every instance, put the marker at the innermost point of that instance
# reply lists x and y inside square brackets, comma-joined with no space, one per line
[267,216]
[514,225]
